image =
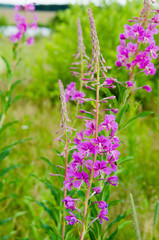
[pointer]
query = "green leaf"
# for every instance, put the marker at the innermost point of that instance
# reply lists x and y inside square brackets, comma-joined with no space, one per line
[49,211]
[17,98]
[16,143]
[47,161]
[141,115]
[118,219]
[5,237]
[4,154]
[120,115]
[19,214]
[122,160]
[92,234]
[123,224]
[111,237]
[115,202]
[155,219]
[9,69]
[4,171]
[14,85]
[7,125]
[5,220]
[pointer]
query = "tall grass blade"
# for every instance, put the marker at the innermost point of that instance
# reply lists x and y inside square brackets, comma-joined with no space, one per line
[135,221]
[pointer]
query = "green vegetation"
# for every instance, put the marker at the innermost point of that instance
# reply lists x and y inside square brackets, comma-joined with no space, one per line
[38,112]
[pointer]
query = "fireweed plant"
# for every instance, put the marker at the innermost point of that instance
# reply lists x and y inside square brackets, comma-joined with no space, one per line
[77,70]
[137,47]
[7,99]
[93,153]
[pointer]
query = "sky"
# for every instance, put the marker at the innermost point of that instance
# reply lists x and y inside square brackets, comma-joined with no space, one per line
[51,1]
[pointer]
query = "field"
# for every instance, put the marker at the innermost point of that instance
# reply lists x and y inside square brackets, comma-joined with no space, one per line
[38,117]
[44,16]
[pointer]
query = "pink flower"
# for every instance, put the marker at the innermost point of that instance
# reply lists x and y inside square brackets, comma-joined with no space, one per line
[97,190]
[102,204]
[71,219]
[30,41]
[69,203]
[30,7]
[147,88]
[101,166]
[109,123]
[102,215]
[113,180]
[129,83]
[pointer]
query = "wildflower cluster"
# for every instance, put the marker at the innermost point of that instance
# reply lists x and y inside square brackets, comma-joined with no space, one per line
[71,93]
[137,46]
[22,23]
[95,148]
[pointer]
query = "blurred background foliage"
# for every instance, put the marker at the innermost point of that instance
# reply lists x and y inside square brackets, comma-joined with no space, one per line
[39,115]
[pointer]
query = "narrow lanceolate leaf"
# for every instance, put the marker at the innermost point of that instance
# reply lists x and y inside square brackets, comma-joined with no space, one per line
[5,237]
[156,214]
[49,211]
[135,221]
[4,154]
[118,219]
[120,115]
[5,220]
[9,69]
[14,85]
[141,115]
[4,171]
[4,127]
[123,160]
[111,237]
[16,143]
[47,161]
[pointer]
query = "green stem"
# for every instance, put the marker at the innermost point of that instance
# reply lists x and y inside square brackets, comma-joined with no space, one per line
[66,161]
[84,227]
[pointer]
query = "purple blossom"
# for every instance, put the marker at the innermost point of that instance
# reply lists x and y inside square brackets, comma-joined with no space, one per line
[113,180]
[68,183]
[22,24]
[30,7]
[88,164]
[90,125]
[99,167]
[22,27]
[81,177]
[71,219]
[86,148]
[150,69]
[129,84]
[147,88]
[79,137]
[152,49]
[97,190]
[102,215]
[30,41]
[72,94]
[69,203]
[102,204]
[109,123]
[102,144]
[77,161]
[131,55]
